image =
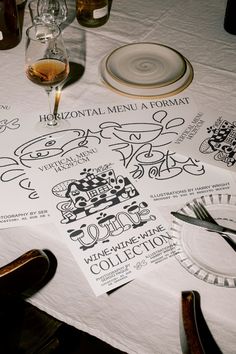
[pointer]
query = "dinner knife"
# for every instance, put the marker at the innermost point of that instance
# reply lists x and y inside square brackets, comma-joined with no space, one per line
[222,230]
[202,223]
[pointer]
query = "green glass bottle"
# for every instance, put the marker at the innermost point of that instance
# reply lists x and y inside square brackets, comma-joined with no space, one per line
[92,13]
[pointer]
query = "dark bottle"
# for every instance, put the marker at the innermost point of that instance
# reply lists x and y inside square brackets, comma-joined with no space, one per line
[21,11]
[230,17]
[92,13]
[10,34]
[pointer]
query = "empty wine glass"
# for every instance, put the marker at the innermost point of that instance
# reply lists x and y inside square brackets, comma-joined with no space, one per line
[52,10]
[46,60]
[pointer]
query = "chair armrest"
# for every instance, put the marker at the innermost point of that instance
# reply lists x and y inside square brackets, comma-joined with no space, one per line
[195,335]
[24,272]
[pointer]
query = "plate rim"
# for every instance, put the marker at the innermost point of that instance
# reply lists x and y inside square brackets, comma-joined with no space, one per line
[127,83]
[151,96]
[229,281]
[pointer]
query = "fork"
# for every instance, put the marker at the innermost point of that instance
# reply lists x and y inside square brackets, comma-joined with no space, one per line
[203,214]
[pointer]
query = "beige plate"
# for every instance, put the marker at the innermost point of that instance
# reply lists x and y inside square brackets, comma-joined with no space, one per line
[145,65]
[147,91]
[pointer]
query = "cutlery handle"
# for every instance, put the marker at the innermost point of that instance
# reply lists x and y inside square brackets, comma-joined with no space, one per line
[228,230]
[229,241]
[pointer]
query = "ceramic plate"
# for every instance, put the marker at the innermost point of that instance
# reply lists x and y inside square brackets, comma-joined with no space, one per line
[145,65]
[206,254]
[147,92]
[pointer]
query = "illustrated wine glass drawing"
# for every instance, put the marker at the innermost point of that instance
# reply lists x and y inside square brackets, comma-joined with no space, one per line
[46,60]
[52,11]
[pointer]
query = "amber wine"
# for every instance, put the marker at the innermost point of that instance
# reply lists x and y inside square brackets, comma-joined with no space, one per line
[47,72]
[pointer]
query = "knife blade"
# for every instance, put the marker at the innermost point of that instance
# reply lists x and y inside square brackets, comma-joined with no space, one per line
[221,230]
[202,223]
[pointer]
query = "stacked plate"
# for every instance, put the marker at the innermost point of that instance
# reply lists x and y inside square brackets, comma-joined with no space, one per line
[146,70]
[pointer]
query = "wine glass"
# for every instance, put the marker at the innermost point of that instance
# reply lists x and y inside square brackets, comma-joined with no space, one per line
[52,11]
[46,60]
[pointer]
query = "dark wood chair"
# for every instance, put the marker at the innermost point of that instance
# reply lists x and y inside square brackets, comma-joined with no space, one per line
[24,273]
[196,337]
[24,329]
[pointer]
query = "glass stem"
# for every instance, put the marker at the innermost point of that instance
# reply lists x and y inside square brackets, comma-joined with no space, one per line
[52,121]
[57,100]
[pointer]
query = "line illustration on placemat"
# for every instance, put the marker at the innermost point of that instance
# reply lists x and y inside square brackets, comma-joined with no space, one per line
[222,143]
[41,148]
[91,194]
[141,147]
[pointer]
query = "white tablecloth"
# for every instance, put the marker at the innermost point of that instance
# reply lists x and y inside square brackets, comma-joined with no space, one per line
[141,317]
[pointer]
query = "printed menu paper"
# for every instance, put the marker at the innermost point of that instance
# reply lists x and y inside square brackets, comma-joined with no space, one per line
[140,134]
[20,203]
[111,227]
[210,137]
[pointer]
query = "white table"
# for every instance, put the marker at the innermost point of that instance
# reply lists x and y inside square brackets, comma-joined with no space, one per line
[143,316]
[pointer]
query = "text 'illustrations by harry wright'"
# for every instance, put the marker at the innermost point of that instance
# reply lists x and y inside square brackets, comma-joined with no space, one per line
[108,221]
[142,139]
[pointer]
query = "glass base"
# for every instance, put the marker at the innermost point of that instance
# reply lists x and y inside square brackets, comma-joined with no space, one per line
[52,125]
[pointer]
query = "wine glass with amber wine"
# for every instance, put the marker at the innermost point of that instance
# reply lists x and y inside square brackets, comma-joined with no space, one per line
[46,60]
